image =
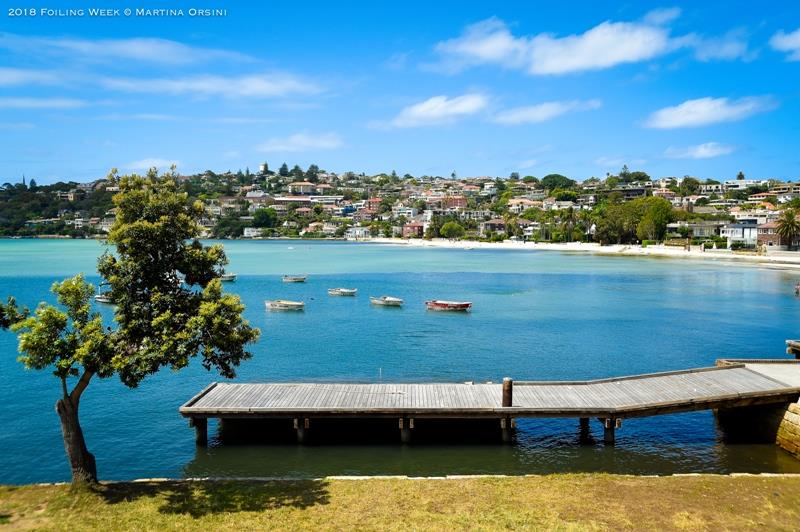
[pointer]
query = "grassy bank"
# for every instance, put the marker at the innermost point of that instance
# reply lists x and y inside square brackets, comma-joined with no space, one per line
[557,501]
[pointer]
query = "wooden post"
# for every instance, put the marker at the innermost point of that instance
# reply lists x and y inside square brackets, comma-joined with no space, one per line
[200,425]
[405,429]
[507,429]
[508,392]
[609,424]
[302,429]
[584,424]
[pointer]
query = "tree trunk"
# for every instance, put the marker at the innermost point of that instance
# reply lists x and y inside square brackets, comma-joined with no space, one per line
[84,469]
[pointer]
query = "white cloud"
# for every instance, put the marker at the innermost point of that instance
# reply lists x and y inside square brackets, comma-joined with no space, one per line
[41,103]
[155,117]
[705,111]
[151,162]
[256,86]
[787,42]
[146,50]
[440,110]
[662,16]
[490,42]
[19,76]
[732,45]
[706,150]
[543,112]
[302,142]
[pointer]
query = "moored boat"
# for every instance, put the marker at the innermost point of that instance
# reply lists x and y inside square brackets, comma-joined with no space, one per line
[386,301]
[456,306]
[284,304]
[227,277]
[104,297]
[342,291]
[294,278]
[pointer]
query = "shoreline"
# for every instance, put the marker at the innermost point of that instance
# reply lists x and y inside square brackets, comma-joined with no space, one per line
[786,260]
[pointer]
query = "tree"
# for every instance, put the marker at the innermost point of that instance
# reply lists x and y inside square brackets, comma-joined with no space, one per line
[170,308]
[552,181]
[283,171]
[788,226]
[740,176]
[452,230]
[514,176]
[265,218]
[689,186]
[297,172]
[312,174]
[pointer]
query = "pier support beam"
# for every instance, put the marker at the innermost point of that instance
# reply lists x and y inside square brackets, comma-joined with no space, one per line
[508,392]
[610,424]
[507,426]
[200,425]
[301,425]
[406,424]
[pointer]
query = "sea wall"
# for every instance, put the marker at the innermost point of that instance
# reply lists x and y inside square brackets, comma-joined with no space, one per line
[788,436]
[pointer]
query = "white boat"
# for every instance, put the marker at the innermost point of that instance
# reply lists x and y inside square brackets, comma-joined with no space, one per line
[227,277]
[342,291]
[284,304]
[104,297]
[386,301]
[294,278]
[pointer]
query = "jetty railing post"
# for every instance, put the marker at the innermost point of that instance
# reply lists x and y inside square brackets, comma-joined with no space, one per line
[200,425]
[506,423]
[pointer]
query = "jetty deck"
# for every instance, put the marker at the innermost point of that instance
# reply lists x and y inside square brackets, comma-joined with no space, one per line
[730,384]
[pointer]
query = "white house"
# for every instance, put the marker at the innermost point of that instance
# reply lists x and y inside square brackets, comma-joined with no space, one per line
[252,232]
[745,233]
[357,233]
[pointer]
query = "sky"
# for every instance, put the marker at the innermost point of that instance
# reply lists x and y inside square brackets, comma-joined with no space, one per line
[427,88]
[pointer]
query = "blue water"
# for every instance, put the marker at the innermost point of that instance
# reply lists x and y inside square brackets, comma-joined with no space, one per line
[537,315]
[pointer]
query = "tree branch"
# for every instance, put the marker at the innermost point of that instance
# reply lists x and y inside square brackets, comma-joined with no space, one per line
[83,382]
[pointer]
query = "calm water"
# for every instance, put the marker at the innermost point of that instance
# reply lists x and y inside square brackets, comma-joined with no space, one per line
[537,315]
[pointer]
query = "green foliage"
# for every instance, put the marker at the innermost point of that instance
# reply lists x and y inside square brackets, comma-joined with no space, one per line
[643,218]
[265,218]
[553,181]
[452,230]
[564,195]
[788,226]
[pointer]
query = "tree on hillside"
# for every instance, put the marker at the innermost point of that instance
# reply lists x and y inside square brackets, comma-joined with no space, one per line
[740,176]
[788,226]
[452,230]
[169,308]
[283,171]
[265,217]
[552,181]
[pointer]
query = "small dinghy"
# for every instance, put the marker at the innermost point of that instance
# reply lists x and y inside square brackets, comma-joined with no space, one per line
[452,306]
[294,278]
[342,291]
[227,277]
[386,301]
[285,304]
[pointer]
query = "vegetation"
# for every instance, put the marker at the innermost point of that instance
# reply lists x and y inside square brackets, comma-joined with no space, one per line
[788,226]
[560,502]
[452,230]
[169,308]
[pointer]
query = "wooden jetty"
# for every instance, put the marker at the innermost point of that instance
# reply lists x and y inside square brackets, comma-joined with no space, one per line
[731,384]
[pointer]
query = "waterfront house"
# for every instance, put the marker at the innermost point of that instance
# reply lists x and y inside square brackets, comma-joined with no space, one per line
[413,230]
[768,237]
[495,225]
[746,233]
[252,232]
[357,233]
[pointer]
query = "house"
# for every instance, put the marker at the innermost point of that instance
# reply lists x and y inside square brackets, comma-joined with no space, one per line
[664,193]
[413,230]
[303,211]
[357,233]
[454,202]
[520,205]
[703,229]
[495,225]
[768,236]
[746,233]
[365,215]
[402,210]
[301,187]
[252,232]
[313,227]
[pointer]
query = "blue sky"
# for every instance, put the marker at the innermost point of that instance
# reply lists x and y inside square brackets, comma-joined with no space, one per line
[478,88]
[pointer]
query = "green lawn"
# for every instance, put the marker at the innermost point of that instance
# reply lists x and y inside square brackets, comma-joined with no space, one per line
[703,502]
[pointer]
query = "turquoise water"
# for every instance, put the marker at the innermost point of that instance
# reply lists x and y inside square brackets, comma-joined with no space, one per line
[537,315]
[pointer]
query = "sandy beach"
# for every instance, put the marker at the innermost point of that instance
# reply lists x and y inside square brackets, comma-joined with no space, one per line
[789,260]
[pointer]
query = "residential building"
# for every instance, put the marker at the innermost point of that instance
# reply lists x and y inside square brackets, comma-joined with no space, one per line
[746,233]
[413,230]
[495,225]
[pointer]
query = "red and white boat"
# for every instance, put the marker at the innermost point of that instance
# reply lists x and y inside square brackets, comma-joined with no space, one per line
[439,304]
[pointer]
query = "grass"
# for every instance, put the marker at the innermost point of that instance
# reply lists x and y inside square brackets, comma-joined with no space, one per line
[562,502]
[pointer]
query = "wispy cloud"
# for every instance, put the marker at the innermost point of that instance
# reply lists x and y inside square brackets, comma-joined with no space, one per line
[787,42]
[151,162]
[19,76]
[705,111]
[490,42]
[272,85]
[302,142]
[154,117]
[706,150]
[617,162]
[41,103]
[145,50]
[543,112]
[440,110]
